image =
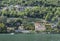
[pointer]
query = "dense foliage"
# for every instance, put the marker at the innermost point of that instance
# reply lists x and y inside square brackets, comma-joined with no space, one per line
[43,9]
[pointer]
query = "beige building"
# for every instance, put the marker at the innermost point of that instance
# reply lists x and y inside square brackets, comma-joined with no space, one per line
[20,28]
[39,27]
[9,29]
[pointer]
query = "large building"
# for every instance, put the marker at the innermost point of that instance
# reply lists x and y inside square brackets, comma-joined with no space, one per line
[39,27]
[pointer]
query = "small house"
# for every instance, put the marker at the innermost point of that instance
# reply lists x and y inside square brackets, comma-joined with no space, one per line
[20,8]
[10,29]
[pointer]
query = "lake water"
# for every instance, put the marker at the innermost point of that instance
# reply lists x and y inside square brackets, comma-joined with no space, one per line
[30,37]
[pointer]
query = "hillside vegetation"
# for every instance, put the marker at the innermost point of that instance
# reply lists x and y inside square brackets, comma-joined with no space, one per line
[45,9]
[48,10]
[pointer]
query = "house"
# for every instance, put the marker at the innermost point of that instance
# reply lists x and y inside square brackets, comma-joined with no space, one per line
[53,25]
[5,8]
[39,26]
[10,29]
[14,28]
[19,8]
[20,29]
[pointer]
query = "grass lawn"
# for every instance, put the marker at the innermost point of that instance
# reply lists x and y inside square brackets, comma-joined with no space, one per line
[30,37]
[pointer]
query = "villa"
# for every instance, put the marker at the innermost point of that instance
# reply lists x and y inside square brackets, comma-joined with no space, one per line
[39,27]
